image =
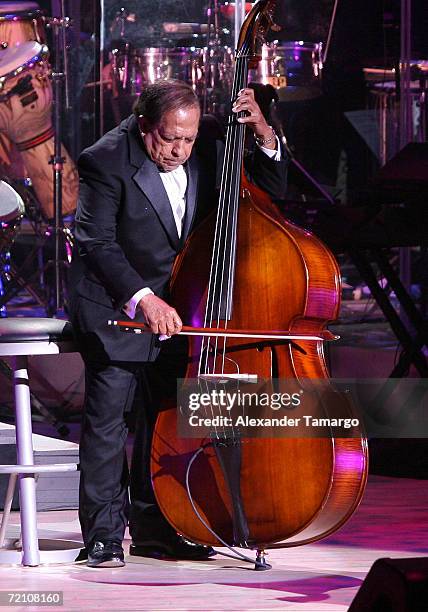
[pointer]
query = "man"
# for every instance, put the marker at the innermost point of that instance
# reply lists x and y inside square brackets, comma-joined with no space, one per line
[142,191]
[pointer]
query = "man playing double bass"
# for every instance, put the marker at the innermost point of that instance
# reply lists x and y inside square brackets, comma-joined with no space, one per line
[144,186]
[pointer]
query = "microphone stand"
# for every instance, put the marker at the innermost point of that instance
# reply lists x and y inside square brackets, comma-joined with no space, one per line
[279,129]
[213,55]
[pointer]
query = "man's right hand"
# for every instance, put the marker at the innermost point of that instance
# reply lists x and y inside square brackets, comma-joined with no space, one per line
[160,316]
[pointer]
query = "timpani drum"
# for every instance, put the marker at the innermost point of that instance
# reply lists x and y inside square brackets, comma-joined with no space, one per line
[209,71]
[134,69]
[293,68]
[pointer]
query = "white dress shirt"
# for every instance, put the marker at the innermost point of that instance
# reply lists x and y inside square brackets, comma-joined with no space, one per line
[175,183]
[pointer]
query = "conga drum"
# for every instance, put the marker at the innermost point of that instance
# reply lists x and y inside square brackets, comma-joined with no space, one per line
[21,21]
[26,130]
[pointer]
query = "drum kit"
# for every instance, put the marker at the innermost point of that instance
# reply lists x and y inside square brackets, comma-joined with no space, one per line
[293,68]
[27,135]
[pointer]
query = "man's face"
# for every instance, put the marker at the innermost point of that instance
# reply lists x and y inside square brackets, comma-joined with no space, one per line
[169,144]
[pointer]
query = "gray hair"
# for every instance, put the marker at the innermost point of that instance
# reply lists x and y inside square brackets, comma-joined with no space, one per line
[162,97]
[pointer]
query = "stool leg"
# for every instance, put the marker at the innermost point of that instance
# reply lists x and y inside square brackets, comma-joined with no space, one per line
[24,447]
[7,507]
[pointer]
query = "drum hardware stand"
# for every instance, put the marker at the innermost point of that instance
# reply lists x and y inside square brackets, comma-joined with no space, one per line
[420,75]
[12,279]
[58,26]
[122,76]
[120,19]
[24,277]
[406,114]
[19,281]
[213,44]
[4,272]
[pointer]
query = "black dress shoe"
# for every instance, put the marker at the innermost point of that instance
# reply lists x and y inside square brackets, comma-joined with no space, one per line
[174,548]
[106,553]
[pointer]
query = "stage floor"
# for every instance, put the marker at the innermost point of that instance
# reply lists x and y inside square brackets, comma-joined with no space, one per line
[324,577]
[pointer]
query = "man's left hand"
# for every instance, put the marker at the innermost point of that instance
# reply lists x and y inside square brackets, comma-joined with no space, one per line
[254,118]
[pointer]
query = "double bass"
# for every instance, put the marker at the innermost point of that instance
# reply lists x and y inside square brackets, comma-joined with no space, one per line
[246,268]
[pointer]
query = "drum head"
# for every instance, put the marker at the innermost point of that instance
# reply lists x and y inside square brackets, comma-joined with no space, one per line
[11,203]
[17,8]
[13,57]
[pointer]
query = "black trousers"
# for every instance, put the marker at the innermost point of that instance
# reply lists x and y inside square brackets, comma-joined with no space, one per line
[111,495]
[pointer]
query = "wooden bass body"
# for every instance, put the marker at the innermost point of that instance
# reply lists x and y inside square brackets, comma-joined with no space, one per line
[292,490]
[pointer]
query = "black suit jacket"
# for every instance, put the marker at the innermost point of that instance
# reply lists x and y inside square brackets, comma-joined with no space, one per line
[126,235]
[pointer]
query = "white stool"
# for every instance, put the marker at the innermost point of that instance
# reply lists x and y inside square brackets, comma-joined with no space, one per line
[20,338]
